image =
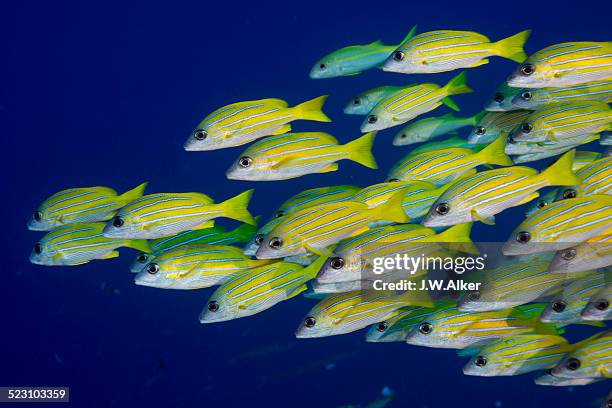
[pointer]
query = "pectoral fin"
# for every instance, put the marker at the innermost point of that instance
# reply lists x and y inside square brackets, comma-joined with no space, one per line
[488,220]
[283,129]
[319,251]
[111,254]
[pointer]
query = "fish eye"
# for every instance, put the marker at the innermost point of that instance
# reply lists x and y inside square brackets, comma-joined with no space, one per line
[372,118]
[213,306]
[568,254]
[602,304]
[356,101]
[499,97]
[118,222]
[280,213]
[510,139]
[442,208]
[570,193]
[337,263]
[527,69]
[474,295]
[526,127]
[322,67]
[398,55]
[275,243]
[153,268]
[245,161]
[481,130]
[393,180]
[558,306]
[37,215]
[527,95]
[310,321]
[142,258]
[480,361]
[259,239]
[542,204]
[572,364]
[382,326]
[425,328]
[609,403]
[200,134]
[38,248]
[523,237]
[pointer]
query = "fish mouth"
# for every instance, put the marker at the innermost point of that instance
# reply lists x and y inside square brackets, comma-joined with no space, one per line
[36,226]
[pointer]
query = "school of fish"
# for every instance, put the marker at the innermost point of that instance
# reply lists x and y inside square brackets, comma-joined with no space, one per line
[552,272]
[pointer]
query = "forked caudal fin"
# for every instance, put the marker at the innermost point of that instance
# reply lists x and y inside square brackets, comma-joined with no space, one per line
[560,173]
[236,208]
[494,153]
[360,150]
[512,47]
[312,110]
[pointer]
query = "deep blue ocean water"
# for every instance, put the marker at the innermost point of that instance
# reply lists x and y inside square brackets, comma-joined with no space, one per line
[103,93]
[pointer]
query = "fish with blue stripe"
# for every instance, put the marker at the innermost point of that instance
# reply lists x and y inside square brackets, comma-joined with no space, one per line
[596,178]
[562,224]
[195,267]
[297,154]
[240,123]
[565,308]
[598,308]
[316,228]
[533,99]
[481,196]
[164,214]
[592,360]
[565,64]
[257,290]
[514,283]
[79,243]
[363,103]
[354,59]
[447,50]
[351,311]
[446,165]
[564,120]
[496,124]
[304,199]
[214,235]
[520,354]
[451,328]
[86,204]
[396,328]
[353,259]
[593,254]
[413,101]
[427,129]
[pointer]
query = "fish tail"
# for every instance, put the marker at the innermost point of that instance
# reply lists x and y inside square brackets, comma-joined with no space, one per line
[393,209]
[494,153]
[409,36]
[236,208]
[475,119]
[141,245]
[311,110]
[459,236]
[244,232]
[512,47]
[360,150]
[133,194]
[313,269]
[458,85]
[560,173]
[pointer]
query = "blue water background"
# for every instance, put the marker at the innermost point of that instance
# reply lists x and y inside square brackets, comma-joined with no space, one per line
[105,93]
